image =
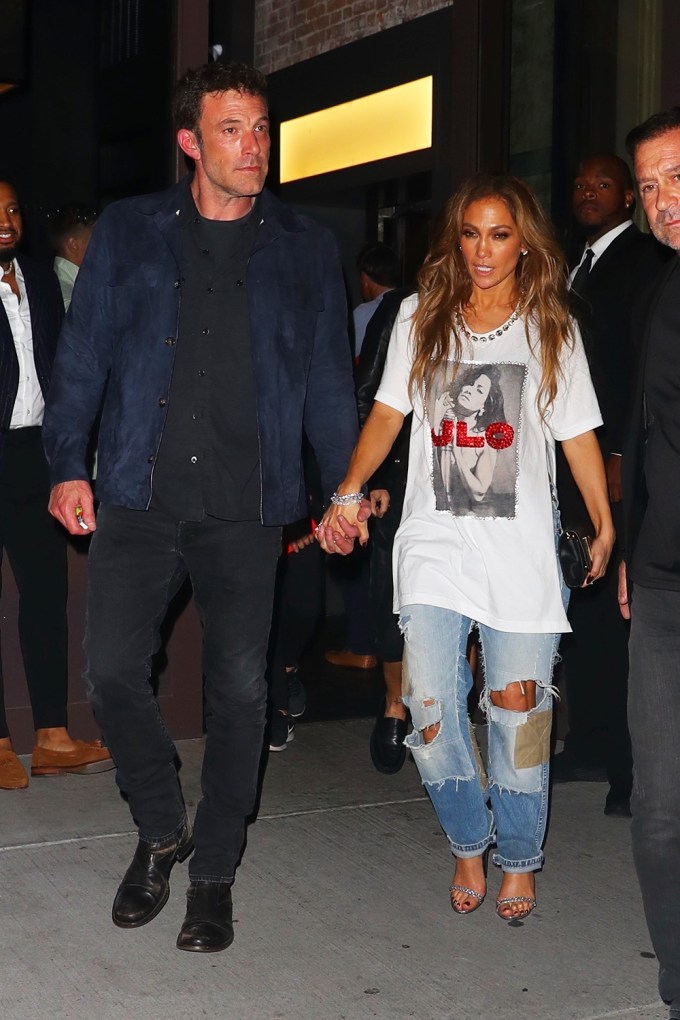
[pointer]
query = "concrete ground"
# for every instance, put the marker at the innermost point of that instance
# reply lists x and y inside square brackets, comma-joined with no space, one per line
[341,905]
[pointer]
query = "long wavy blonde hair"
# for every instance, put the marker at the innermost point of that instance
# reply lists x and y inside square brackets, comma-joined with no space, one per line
[444,285]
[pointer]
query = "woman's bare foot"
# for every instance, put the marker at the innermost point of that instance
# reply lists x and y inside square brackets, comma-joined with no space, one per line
[468,886]
[517,895]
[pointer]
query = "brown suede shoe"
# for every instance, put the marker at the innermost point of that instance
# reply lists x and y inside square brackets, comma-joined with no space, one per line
[12,773]
[83,760]
[351,660]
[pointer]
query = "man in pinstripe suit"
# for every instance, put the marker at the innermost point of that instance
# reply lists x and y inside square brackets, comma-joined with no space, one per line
[31,311]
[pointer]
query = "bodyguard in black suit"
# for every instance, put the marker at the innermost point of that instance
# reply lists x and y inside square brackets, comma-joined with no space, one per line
[617,266]
[31,312]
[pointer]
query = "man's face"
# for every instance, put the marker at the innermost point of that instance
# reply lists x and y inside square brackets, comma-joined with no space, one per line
[232,143]
[600,198]
[11,227]
[657,171]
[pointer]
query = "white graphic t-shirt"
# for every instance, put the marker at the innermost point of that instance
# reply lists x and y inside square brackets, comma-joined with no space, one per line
[476,533]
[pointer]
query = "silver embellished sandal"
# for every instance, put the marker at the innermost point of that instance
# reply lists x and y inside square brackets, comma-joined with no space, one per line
[507,901]
[480,897]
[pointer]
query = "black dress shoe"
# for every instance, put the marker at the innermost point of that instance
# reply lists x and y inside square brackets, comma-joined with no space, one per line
[145,888]
[388,753]
[617,805]
[207,927]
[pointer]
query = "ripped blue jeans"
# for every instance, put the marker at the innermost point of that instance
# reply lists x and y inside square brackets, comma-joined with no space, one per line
[508,806]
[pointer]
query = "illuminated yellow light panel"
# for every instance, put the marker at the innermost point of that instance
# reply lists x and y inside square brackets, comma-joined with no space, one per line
[378,126]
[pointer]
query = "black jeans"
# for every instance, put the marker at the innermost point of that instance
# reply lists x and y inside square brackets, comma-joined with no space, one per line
[654,716]
[138,560]
[36,548]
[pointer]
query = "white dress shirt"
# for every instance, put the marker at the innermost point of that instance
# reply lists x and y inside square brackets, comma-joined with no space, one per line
[29,406]
[66,274]
[600,246]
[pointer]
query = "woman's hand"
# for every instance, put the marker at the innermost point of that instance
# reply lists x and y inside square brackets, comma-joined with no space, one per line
[342,525]
[601,549]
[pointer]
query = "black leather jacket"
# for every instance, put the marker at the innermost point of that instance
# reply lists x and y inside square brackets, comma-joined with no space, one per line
[391,475]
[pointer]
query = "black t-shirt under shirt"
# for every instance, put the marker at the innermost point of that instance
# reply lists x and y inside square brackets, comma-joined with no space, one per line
[656,561]
[208,462]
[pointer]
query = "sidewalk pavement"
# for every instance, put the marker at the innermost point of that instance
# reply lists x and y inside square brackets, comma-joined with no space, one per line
[341,905]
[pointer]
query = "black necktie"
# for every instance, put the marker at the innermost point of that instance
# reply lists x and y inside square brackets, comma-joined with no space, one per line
[580,280]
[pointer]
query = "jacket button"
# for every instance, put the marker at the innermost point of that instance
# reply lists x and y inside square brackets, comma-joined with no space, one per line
[176,284]
[162,402]
[169,341]
[151,459]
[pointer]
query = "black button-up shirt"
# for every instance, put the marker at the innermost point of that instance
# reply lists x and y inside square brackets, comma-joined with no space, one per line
[208,462]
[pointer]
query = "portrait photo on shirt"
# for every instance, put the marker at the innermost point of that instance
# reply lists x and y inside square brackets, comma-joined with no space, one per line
[475,420]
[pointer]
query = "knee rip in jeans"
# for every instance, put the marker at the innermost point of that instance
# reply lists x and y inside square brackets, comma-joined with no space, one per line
[428,733]
[523,706]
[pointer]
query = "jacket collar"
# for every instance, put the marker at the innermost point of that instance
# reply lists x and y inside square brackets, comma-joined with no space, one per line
[277,218]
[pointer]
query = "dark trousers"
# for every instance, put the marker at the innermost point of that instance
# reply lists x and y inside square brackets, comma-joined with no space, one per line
[387,638]
[595,660]
[352,574]
[298,609]
[138,560]
[654,717]
[36,548]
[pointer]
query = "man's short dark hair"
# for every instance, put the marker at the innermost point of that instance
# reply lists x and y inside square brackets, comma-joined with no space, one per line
[657,124]
[380,263]
[208,79]
[67,219]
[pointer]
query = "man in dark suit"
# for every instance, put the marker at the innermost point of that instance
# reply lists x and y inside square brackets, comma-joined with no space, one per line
[31,311]
[209,323]
[617,265]
[651,499]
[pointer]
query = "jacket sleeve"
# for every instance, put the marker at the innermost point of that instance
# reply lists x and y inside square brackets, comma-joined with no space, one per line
[330,417]
[81,366]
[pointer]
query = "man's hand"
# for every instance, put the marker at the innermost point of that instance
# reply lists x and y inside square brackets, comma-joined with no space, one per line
[613,469]
[624,605]
[380,502]
[72,504]
[342,525]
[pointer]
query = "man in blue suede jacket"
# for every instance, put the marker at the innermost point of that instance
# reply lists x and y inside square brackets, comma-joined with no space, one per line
[208,326]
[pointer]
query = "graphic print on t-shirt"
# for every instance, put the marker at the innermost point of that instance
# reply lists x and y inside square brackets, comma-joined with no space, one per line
[475,429]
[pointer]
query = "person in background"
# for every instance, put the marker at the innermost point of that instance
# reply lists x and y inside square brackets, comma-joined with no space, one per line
[492,292]
[31,313]
[70,232]
[617,265]
[386,491]
[379,273]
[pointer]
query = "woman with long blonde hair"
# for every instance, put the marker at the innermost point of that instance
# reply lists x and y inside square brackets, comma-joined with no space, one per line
[492,294]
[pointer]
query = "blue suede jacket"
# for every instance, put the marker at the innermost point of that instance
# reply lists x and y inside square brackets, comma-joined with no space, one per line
[117,348]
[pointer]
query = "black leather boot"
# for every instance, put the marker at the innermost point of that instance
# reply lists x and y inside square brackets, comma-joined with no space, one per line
[207,927]
[145,888]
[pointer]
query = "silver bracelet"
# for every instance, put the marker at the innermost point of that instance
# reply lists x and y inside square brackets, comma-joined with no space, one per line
[348,499]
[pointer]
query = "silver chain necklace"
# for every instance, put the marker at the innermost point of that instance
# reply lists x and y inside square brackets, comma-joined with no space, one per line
[482,338]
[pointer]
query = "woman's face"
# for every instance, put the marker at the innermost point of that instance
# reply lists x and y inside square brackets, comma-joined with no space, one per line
[472,396]
[490,243]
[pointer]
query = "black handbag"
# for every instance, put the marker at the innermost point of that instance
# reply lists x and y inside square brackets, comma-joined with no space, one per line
[575,557]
